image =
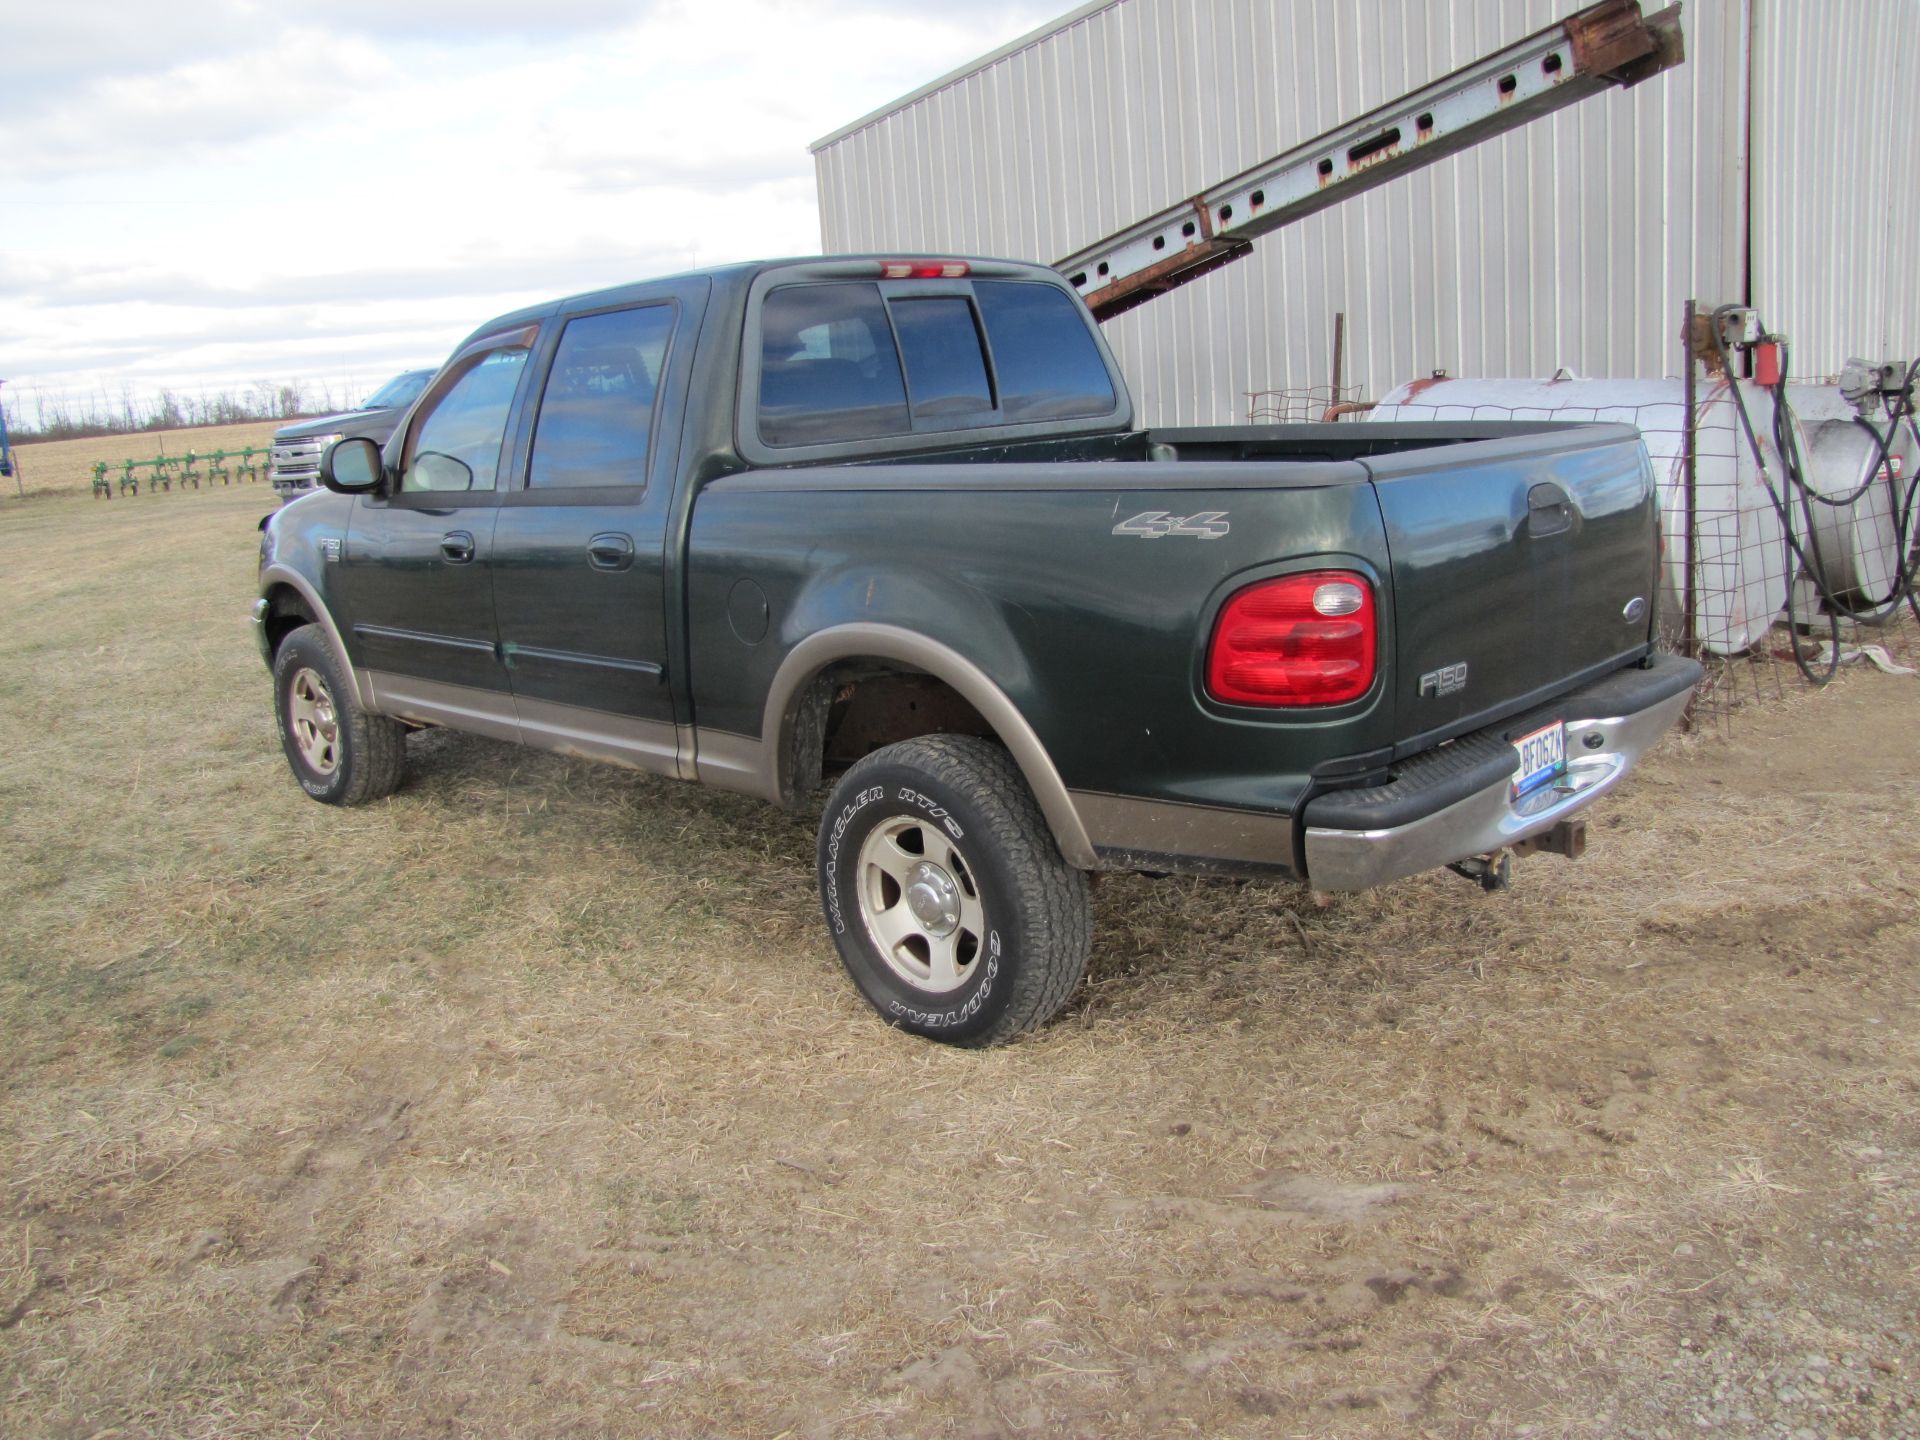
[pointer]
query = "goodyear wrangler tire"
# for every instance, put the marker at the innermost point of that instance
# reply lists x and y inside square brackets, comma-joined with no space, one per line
[952,908]
[340,754]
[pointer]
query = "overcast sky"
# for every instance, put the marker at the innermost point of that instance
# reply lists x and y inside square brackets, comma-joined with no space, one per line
[208,194]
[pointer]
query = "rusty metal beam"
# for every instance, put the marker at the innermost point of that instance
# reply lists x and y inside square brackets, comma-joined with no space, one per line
[1605,45]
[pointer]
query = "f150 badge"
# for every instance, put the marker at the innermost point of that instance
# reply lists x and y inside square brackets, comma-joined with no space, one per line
[1447,680]
[1153,524]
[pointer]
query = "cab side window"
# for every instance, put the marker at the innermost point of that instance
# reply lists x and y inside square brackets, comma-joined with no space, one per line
[596,415]
[456,444]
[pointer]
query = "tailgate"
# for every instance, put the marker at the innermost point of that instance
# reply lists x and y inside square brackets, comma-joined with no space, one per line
[1522,566]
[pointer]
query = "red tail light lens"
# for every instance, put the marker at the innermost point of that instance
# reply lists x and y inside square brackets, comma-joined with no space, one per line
[1298,640]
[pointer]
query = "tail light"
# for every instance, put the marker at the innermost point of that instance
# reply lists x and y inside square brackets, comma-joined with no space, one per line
[924,269]
[1307,639]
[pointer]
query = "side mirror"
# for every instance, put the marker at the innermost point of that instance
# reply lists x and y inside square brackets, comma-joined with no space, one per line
[351,466]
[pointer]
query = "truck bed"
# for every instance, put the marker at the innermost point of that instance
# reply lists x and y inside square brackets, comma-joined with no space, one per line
[1081,613]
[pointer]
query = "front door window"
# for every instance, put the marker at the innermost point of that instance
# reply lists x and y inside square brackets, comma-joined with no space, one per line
[456,445]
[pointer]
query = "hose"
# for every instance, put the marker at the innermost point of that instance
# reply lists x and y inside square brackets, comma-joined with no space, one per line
[1907,572]
[1900,407]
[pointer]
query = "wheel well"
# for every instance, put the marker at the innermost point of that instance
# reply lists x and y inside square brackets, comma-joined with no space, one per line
[854,707]
[286,612]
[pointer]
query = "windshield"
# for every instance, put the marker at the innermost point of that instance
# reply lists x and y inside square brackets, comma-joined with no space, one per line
[401,390]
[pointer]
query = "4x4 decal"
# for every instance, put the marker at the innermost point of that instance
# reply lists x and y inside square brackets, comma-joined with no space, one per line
[1152,524]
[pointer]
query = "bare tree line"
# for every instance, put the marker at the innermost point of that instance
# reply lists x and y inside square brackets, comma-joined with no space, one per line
[36,415]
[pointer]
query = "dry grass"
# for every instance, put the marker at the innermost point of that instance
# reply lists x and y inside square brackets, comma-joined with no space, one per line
[532,1101]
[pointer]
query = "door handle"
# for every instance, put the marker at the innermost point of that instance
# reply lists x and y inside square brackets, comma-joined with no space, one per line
[457,546]
[610,552]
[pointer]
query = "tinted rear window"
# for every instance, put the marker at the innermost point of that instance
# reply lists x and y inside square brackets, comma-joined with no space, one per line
[945,368]
[1048,366]
[828,369]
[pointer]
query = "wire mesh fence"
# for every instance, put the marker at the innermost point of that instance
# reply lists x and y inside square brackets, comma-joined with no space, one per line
[1301,404]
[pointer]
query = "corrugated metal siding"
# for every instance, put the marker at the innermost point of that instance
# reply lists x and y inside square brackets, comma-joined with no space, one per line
[1573,241]
[1836,258]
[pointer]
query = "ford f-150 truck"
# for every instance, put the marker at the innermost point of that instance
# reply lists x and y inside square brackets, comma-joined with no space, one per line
[293,466]
[885,528]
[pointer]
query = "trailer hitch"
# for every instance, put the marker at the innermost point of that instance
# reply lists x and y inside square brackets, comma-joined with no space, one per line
[1490,872]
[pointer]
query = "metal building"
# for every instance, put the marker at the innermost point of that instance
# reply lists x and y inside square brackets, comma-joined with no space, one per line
[1775,166]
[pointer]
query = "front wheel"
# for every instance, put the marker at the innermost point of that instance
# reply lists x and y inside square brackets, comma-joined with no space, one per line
[951,906]
[340,754]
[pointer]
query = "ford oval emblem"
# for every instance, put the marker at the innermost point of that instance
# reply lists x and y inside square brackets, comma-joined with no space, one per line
[1636,609]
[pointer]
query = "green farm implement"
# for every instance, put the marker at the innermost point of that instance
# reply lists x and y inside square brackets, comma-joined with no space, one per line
[165,471]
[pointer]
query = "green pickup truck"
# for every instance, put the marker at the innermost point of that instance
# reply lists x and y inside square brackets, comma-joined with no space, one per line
[885,528]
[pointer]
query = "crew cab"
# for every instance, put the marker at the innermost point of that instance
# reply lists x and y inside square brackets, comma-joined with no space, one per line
[881,535]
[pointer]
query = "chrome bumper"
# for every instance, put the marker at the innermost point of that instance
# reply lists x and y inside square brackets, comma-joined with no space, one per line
[1599,753]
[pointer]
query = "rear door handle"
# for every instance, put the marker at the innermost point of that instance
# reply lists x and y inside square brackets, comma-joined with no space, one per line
[457,546]
[610,551]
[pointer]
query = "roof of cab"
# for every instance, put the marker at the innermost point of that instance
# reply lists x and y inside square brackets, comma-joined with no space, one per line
[739,274]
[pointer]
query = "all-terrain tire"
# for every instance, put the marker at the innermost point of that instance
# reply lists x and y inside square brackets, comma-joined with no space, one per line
[952,908]
[340,754]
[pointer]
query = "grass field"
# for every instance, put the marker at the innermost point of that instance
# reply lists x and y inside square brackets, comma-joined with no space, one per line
[65,467]
[533,1101]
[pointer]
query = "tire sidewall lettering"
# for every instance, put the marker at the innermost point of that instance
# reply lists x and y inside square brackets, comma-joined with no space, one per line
[830,880]
[933,808]
[947,1019]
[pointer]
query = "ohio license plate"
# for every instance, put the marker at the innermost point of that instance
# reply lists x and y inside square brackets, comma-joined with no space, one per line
[1543,758]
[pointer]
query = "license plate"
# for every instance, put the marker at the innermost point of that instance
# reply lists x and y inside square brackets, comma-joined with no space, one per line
[1543,758]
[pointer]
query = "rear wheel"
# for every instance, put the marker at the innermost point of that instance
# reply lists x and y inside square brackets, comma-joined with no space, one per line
[340,754]
[952,909]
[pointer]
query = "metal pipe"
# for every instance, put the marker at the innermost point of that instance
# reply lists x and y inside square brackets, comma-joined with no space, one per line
[1604,45]
[1689,633]
[1339,353]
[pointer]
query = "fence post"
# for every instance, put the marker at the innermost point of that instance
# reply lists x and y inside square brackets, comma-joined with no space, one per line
[1689,637]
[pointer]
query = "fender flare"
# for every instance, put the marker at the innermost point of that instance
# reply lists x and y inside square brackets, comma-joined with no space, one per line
[283,575]
[908,647]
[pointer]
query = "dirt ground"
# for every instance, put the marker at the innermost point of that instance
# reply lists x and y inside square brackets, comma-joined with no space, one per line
[533,1101]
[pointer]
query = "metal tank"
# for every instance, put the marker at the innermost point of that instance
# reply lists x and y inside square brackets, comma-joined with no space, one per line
[1739,555]
[1856,549]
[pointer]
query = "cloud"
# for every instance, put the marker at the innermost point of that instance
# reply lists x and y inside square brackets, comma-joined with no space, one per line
[55,48]
[180,329]
[456,22]
[583,265]
[663,167]
[122,123]
[241,188]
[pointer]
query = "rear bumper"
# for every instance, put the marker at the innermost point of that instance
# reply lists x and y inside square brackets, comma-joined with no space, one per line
[1456,801]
